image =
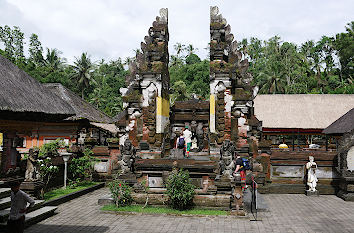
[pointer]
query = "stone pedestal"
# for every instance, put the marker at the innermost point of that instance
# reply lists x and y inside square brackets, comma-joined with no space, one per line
[346,191]
[312,193]
[34,188]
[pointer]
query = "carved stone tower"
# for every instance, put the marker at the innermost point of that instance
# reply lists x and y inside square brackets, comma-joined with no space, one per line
[231,93]
[146,97]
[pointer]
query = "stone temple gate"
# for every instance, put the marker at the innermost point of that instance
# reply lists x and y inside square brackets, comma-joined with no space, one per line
[148,119]
[226,123]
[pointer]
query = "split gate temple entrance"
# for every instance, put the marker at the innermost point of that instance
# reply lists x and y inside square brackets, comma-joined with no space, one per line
[222,126]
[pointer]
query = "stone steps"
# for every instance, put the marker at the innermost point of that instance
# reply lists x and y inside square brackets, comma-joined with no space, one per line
[5,202]
[40,214]
[4,214]
[5,192]
[36,214]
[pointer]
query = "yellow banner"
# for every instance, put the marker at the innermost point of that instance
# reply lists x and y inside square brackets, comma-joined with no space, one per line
[212,104]
[163,107]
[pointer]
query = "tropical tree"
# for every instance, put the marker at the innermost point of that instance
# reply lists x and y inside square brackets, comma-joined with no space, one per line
[83,68]
[35,50]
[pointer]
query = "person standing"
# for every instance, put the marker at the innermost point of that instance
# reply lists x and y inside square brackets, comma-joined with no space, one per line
[241,169]
[180,143]
[19,200]
[188,139]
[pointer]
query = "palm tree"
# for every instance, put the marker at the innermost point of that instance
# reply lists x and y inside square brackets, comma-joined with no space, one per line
[190,49]
[179,48]
[83,68]
[53,60]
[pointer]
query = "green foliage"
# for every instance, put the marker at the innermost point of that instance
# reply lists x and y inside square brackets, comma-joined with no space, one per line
[163,210]
[112,140]
[193,77]
[13,41]
[51,149]
[47,170]
[180,190]
[121,192]
[81,168]
[56,193]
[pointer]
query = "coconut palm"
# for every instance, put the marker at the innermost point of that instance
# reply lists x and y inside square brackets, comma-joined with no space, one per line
[53,61]
[83,68]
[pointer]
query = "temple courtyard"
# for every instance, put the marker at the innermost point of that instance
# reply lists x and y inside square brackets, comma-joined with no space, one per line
[287,213]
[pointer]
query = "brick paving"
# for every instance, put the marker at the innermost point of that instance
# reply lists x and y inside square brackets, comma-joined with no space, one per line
[288,213]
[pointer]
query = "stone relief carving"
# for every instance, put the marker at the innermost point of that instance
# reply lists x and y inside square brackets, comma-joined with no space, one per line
[127,157]
[32,168]
[226,162]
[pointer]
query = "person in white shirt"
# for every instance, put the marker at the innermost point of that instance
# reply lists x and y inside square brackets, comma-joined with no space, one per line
[188,138]
[19,200]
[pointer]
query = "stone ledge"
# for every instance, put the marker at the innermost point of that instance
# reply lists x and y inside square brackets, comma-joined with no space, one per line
[71,196]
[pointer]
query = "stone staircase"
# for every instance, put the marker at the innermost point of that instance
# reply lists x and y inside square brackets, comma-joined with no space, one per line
[36,214]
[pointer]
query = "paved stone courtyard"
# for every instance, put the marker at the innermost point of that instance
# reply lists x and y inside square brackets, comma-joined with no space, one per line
[288,213]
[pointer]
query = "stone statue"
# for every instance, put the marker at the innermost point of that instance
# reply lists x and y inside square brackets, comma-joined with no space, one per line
[200,136]
[127,157]
[226,162]
[311,167]
[32,168]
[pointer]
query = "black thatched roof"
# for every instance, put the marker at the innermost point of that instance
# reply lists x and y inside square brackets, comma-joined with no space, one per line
[20,93]
[83,109]
[342,125]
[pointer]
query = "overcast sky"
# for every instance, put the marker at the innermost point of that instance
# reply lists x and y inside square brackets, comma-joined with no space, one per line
[110,29]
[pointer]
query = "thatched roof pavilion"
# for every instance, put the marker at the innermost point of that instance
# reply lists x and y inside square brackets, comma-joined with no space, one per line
[83,109]
[303,111]
[344,124]
[24,98]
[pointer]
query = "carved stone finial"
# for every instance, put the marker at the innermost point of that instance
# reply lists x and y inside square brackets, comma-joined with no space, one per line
[214,11]
[164,14]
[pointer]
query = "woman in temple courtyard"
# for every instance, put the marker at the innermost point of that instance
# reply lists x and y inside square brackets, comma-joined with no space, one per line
[188,139]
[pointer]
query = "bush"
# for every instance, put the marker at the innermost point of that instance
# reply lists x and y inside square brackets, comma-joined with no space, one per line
[180,190]
[81,168]
[121,193]
[47,170]
[51,149]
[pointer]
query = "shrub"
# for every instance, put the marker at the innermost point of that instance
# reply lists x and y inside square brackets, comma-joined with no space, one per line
[180,190]
[47,170]
[51,148]
[81,168]
[121,192]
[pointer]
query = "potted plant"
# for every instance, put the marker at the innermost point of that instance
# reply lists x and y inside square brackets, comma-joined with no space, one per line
[113,142]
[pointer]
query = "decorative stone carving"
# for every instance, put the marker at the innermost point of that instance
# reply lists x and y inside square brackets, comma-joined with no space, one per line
[311,167]
[226,163]
[200,136]
[32,169]
[127,157]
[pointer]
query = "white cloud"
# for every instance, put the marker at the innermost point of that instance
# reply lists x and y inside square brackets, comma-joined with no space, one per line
[111,29]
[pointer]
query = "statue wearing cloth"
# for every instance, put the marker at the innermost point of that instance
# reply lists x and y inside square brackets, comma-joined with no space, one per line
[311,167]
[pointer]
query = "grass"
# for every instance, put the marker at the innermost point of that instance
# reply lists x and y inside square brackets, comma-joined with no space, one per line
[162,210]
[62,192]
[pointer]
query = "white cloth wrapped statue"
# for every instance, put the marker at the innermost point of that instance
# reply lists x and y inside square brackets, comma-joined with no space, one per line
[311,174]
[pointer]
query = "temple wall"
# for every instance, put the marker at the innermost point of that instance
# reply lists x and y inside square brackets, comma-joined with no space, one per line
[288,172]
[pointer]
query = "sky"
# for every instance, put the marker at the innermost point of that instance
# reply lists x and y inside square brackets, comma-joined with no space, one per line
[109,29]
